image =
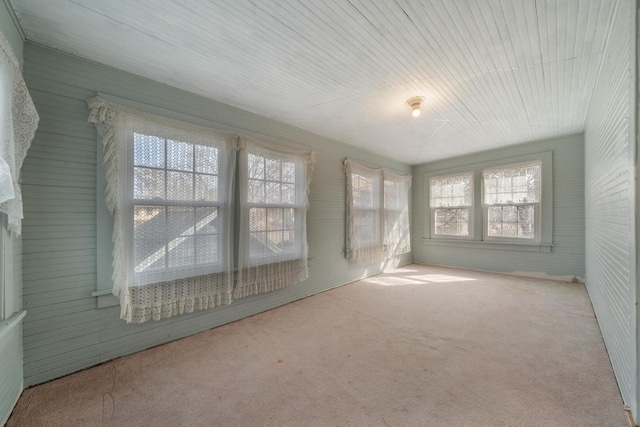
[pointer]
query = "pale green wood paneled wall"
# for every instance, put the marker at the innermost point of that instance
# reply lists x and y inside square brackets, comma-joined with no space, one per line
[10,276]
[611,201]
[566,259]
[64,330]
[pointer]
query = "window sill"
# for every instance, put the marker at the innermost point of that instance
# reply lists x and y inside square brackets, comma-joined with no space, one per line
[7,325]
[498,246]
[106,298]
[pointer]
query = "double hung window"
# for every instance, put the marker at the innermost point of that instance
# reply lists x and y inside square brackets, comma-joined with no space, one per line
[396,213]
[451,205]
[511,201]
[377,213]
[274,187]
[495,202]
[169,187]
[178,209]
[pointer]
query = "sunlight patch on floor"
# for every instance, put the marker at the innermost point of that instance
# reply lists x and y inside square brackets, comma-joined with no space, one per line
[442,278]
[393,281]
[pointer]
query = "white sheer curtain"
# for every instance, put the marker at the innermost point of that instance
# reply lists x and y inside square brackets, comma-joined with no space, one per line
[365,213]
[169,190]
[396,213]
[274,198]
[18,123]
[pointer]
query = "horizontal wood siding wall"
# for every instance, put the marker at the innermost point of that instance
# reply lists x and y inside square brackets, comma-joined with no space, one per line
[10,277]
[567,257]
[610,203]
[64,330]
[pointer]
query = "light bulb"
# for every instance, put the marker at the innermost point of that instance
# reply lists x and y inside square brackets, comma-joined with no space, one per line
[416,112]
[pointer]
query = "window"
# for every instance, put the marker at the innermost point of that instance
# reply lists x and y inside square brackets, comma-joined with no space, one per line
[170,191]
[511,201]
[396,213]
[504,204]
[274,187]
[377,214]
[273,208]
[366,190]
[451,203]
[177,209]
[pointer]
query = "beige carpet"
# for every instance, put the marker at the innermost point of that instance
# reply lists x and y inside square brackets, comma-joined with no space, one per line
[421,346]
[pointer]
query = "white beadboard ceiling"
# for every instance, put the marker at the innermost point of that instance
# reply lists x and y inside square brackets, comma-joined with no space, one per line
[494,73]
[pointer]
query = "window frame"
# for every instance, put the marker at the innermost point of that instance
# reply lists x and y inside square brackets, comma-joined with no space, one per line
[221,204]
[377,210]
[536,205]
[545,241]
[471,208]
[299,207]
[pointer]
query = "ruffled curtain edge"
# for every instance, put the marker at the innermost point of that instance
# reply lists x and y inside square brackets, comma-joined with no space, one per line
[25,119]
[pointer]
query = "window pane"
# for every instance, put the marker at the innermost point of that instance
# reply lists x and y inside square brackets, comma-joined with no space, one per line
[288,172]
[206,159]
[275,219]
[255,166]
[273,170]
[149,254]
[367,227]
[258,219]
[289,219]
[206,249]
[256,191]
[391,200]
[180,221]
[519,183]
[180,186]
[179,155]
[451,190]
[511,221]
[288,193]
[451,222]
[275,239]
[148,183]
[206,187]
[181,252]
[364,190]
[273,192]
[148,151]
[207,220]
[257,243]
[148,222]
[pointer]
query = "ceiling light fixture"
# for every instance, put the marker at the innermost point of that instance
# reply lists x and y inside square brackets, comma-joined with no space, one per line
[415,103]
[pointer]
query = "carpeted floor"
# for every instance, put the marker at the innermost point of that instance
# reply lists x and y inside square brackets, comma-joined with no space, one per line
[420,346]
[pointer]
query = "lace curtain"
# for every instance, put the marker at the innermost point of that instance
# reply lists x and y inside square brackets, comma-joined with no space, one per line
[365,226]
[518,183]
[377,214]
[396,213]
[169,187]
[18,123]
[451,190]
[274,199]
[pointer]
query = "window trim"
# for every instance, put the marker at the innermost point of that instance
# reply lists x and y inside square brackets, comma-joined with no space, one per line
[299,207]
[537,209]
[104,226]
[545,241]
[222,204]
[471,208]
